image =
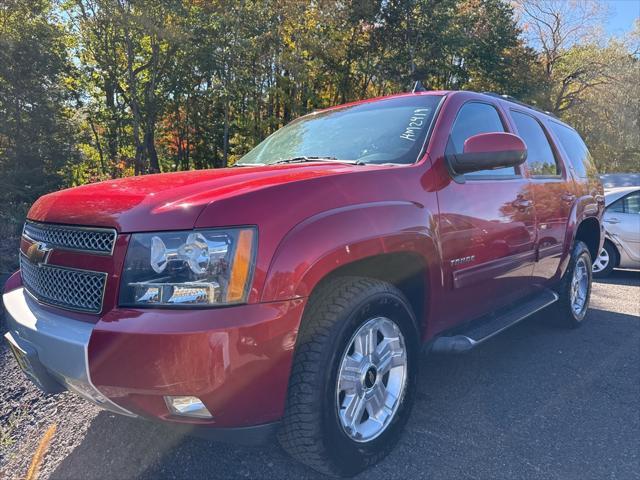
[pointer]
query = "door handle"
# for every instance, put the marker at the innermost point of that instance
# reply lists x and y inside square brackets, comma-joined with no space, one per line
[522,204]
[568,197]
[612,220]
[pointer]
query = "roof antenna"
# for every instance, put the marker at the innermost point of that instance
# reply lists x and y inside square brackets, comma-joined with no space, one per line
[418,87]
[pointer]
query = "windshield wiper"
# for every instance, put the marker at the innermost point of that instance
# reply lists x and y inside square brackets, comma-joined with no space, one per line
[305,158]
[301,159]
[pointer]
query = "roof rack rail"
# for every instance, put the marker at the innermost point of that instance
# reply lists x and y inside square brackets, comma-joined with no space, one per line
[511,99]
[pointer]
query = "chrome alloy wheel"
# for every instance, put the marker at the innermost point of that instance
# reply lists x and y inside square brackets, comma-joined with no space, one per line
[602,261]
[371,379]
[579,287]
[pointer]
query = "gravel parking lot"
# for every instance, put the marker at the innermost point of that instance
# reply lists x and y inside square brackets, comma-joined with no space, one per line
[535,402]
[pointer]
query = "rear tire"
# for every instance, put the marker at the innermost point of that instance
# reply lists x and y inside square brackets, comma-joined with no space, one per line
[325,426]
[574,289]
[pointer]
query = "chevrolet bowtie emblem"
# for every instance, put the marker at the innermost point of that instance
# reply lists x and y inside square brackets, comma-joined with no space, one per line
[38,253]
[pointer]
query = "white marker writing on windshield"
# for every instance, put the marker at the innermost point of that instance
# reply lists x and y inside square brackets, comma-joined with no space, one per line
[416,122]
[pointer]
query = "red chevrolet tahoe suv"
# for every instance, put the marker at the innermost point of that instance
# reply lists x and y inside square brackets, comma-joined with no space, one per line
[294,292]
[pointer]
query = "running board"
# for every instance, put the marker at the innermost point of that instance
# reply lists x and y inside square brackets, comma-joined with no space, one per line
[482,330]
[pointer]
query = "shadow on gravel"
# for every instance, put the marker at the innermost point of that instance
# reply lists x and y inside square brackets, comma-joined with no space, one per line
[120,447]
[621,277]
[537,401]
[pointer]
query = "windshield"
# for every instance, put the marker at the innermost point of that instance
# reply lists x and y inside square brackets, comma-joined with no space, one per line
[385,131]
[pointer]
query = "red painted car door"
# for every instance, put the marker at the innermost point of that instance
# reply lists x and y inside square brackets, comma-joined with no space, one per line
[486,224]
[552,191]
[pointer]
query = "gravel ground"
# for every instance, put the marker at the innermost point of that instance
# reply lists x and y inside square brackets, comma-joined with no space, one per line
[534,402]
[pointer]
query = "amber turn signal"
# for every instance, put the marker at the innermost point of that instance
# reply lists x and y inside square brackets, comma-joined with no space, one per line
[242,260]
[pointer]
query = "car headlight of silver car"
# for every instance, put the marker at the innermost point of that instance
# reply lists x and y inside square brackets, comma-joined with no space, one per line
[187,268]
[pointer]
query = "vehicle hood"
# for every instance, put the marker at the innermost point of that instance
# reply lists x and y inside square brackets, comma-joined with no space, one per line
[170,201]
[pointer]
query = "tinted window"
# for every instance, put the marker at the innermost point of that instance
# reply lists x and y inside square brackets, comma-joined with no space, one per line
[632,203]
[617,206]
[628,204]
[575,148]
[473,119]
[385,131]
[540,157]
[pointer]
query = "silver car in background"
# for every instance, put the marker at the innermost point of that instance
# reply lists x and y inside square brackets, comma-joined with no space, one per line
[622,231]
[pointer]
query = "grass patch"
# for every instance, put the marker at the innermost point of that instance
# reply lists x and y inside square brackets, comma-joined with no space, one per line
[8,427]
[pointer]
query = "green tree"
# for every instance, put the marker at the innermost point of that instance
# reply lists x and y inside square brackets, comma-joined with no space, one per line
[608,114]
[553,28]
[36,126]
[130,48]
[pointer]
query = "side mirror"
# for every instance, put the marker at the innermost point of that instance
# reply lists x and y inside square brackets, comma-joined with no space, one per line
[488,151]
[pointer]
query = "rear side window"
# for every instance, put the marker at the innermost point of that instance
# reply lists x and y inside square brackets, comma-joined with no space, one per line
[628,204]
[576,149]
[540,158]
[632,203]
[475,118]
[617,206]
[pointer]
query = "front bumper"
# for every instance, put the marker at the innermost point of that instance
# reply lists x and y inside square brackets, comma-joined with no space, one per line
[54,348]
[237,360]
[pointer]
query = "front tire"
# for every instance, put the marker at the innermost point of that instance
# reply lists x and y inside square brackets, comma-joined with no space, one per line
[353,376]
[574,289]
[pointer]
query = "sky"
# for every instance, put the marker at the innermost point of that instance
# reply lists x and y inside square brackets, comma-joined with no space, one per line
[622,15]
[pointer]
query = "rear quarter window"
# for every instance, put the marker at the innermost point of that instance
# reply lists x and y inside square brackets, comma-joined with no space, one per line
[575,149]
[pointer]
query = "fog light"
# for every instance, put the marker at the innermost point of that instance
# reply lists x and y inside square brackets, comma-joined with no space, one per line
[187,407]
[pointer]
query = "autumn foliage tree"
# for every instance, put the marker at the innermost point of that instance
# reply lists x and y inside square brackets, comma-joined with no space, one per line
[98,89]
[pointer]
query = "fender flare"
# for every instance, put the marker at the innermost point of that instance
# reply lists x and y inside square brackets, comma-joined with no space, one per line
[577,215]
[331,239]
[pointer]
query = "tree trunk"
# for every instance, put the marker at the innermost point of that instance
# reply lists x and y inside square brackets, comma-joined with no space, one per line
[225,135]
[113,127]
[139,166]
[103,167]
[150,147]
[138,161]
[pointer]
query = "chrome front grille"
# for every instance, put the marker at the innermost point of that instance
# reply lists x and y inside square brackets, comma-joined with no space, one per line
[68,288]
[85,239]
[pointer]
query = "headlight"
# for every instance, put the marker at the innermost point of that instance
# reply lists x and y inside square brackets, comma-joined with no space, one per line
[197,267]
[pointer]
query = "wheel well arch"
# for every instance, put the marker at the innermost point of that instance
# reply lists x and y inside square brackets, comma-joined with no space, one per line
[589,232]
[408,272]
